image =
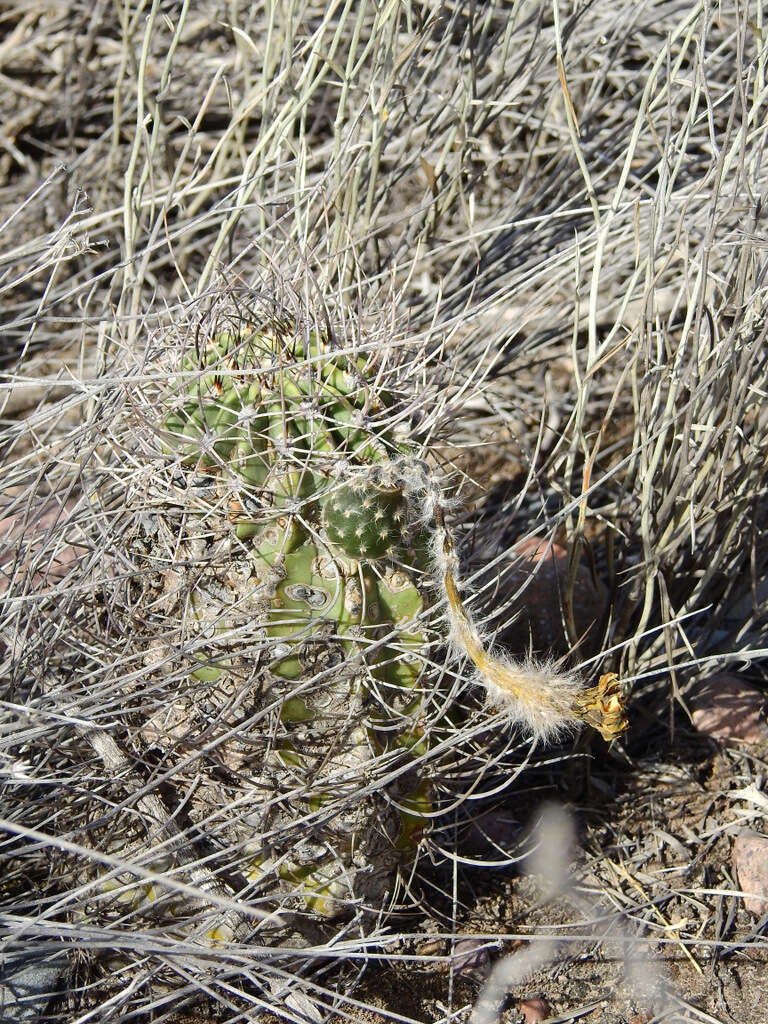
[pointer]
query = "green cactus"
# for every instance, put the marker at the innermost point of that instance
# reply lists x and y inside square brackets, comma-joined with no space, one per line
[365,520]
[302,440]
[287,563]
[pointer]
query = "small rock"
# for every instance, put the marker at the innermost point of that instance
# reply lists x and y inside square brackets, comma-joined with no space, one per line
[431,947]
[534,1010]
[471,956]
[22,542]
[728,708]
[496,832]
[750,858]
[543,569]
[27,985]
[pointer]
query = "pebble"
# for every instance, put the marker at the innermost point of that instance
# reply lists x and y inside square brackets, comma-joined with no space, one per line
[534,1010]
[27,984]
[22,542]
[750,858]
[726,707]
[472,957]
[495,833]
[543,569]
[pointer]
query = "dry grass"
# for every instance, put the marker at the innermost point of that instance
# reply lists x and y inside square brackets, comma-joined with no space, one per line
[569,202]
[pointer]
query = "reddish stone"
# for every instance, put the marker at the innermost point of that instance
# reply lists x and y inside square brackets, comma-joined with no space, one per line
[495,832]
[542,569]
[750,858]
[22,543]
[728,708]
[534,1010]
[471,956]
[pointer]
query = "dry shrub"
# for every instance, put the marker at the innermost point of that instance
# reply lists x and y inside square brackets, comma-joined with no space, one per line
[566,203]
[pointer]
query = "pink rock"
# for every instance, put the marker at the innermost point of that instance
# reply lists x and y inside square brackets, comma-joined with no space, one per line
[750,858]
[728,708]
[495,832]
[542,568]
[534,1010]
[471,956]
[21,544]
